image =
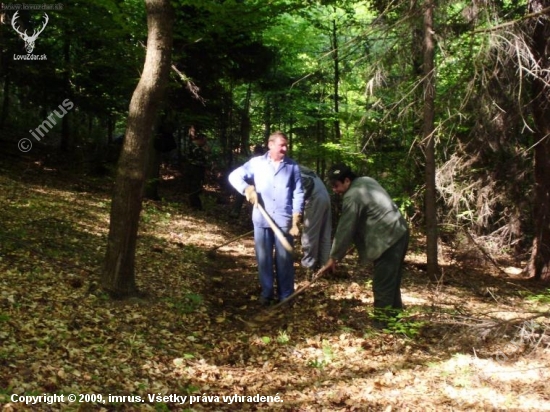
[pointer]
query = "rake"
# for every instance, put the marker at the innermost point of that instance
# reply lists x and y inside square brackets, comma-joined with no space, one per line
[212,252]
[269,313]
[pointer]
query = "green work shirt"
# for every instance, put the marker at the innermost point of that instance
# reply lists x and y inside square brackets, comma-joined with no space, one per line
[369,219]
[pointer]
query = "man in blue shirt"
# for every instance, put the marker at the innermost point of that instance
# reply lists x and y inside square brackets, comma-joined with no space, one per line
[274,181]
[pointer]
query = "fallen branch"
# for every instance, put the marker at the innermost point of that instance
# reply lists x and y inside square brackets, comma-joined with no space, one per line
[484,252]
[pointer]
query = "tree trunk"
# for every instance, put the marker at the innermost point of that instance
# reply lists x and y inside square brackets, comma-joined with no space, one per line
[152,173]
[66,143]
[320,158]
[6,69]
[6,102]
[336,61]
[539,266]
[429,141]
[118,274]
[267,119]
[246,124]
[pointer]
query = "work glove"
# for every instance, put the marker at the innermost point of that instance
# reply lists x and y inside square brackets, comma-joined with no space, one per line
[295,230]
[251,195]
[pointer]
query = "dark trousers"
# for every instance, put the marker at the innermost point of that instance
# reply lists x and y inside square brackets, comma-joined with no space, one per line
[386,284]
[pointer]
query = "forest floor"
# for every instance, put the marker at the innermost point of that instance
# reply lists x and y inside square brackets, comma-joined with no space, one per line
[475,340]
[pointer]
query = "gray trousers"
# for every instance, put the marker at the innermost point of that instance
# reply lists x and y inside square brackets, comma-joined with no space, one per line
[316,232]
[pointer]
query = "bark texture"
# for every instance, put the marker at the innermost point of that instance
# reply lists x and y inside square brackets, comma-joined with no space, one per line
[429,141]
[118,278]
[539,266]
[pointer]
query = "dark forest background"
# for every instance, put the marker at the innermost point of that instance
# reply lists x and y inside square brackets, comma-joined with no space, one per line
[446,103]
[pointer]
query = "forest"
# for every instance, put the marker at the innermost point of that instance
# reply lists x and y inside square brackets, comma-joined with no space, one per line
[116,294]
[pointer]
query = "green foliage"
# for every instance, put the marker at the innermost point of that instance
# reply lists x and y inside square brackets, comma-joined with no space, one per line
[402,323]
[338,152]
[283,337]
[405,324]
[284,64]
[543,297]
[326,358]
[151,213]
[189,303]
[405,205]
[327,351]
[83,65]
[161,407]
[317,364]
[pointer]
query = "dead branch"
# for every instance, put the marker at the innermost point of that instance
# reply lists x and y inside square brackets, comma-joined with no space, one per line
[192,87]
[513,22]
[484,252]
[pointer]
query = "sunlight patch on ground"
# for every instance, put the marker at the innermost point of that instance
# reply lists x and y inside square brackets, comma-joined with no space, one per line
[469,380]
[410,299]
[510,270]
[185,228]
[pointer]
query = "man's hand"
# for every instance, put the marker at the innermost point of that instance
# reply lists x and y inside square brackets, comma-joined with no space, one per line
[295,230]
[251,195]
[330,266]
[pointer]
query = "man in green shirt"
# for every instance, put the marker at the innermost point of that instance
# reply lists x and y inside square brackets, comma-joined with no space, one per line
[371,221]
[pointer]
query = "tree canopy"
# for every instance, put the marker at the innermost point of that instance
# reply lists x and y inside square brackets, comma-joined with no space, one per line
[445,103]
[343,78]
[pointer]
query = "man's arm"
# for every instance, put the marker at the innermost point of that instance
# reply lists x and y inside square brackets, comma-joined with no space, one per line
[240,177]
[347,225]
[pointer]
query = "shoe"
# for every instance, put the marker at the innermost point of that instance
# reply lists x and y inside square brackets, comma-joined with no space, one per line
[265,301]
[287,302]
[379,325]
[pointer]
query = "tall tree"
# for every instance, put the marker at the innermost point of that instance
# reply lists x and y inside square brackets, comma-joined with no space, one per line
[540,49]
[118,277]
[429,139]
[336,79]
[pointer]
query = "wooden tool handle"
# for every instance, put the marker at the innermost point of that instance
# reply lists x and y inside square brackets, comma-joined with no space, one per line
[280,235]
[232,240]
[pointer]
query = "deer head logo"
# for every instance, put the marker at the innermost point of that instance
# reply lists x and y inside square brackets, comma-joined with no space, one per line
[29,40]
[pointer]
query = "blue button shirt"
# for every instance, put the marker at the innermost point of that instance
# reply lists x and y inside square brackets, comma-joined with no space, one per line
[279,190]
